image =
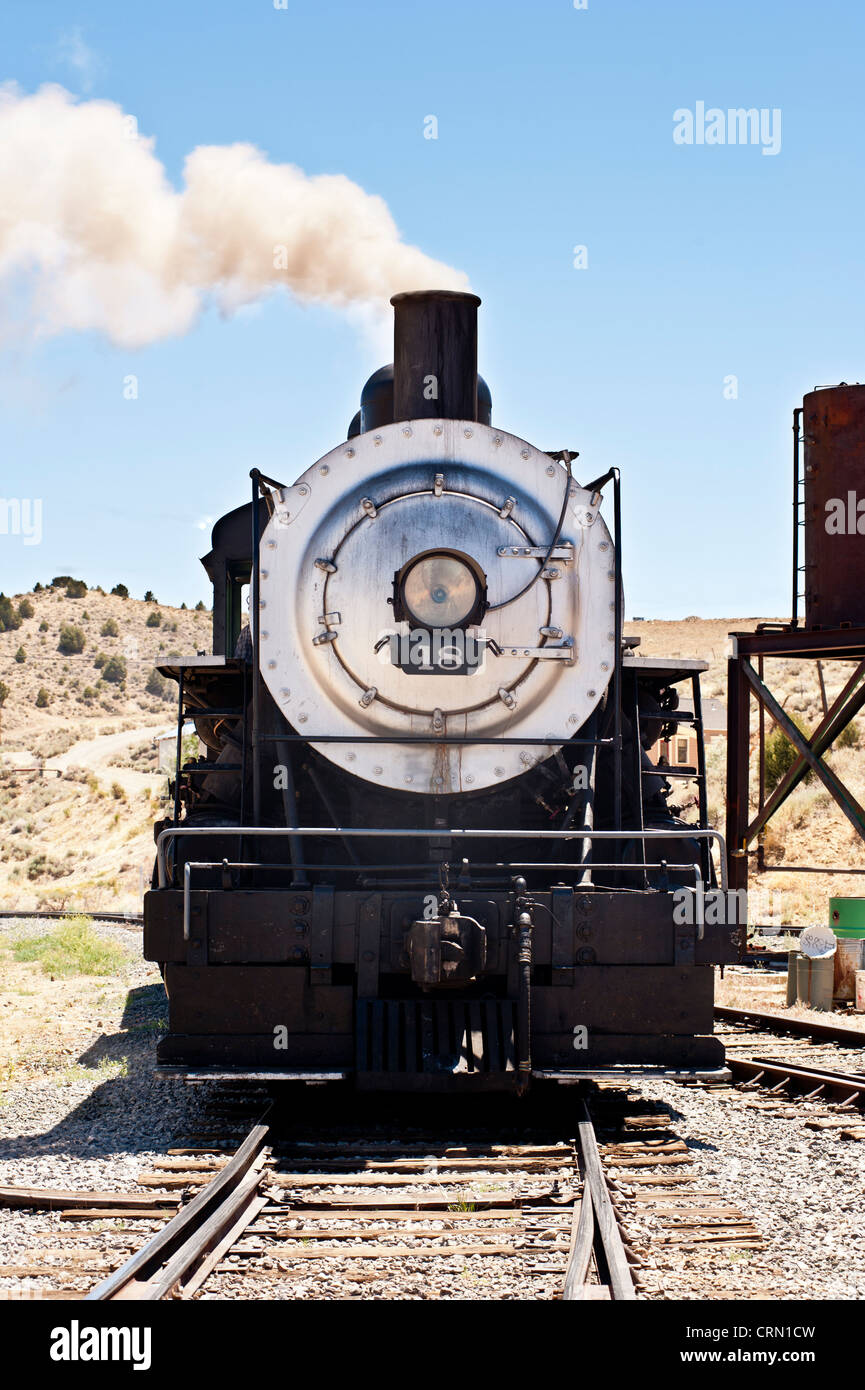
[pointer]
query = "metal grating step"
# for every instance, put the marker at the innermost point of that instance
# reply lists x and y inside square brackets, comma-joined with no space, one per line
[437,1036]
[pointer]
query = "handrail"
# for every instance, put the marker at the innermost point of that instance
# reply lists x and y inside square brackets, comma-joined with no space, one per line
[458,833]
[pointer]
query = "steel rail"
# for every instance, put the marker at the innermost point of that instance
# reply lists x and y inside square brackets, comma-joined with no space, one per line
[595,1230]
[777,1074]
[134,918]
[800,1027]
[159,1266]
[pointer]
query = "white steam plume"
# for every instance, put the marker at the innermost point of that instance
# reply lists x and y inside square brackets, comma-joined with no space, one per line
[89,216]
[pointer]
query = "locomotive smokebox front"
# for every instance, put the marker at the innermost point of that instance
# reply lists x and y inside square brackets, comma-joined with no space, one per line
[437,577]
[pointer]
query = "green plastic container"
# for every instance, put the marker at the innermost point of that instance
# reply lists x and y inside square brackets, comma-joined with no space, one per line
[847,918]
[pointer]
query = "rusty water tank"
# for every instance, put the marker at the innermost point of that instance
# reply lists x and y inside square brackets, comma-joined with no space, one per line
[833,426]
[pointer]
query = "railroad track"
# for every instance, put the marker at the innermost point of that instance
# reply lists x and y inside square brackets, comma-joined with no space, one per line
[329,1207]
[792,1059]
[817,1029]
[254,1205]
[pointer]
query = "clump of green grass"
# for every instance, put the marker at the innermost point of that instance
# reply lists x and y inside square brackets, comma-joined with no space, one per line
[72,948]
[105,1069]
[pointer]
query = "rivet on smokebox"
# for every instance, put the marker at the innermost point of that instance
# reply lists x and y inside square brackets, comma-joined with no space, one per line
[349,453]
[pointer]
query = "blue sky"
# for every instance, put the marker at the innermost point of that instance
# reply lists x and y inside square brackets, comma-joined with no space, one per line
[554,130]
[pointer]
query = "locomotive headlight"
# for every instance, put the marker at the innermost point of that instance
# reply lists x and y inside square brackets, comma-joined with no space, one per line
[440,590]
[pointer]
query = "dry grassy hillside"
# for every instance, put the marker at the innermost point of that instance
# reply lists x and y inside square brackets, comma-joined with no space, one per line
[84,838]
[809,828]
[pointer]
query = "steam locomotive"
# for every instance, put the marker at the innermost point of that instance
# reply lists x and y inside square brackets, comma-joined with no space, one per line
[425,847]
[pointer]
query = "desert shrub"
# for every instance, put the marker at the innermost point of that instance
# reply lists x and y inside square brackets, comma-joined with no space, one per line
[780,756]
[199,607]
[4,693]
[156,684]
[109,628]
[43,626]
[849,737]
[99,660]
[120,591]
[72,640]
[43,867]
[10,618]
[114,670]
[150,596]
[25,608]
[76,588]
[154,619]
[117,792]
[73,948]
[88,693]
[43,699]
[20,656]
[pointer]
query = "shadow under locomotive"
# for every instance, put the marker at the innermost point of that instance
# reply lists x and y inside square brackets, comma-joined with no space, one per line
[446,879]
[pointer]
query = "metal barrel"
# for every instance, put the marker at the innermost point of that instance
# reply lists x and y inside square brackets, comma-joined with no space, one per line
[815,979]
[792,967]
[803,980]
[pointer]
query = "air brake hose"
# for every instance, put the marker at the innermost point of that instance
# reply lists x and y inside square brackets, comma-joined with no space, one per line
[524,1000]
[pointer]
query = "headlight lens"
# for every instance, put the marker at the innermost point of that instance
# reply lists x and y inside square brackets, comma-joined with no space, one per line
[440,591]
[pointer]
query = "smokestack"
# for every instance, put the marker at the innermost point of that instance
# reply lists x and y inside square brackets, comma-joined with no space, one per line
[435,355]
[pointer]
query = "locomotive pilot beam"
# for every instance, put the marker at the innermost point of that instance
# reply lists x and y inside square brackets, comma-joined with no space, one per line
[425,847]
